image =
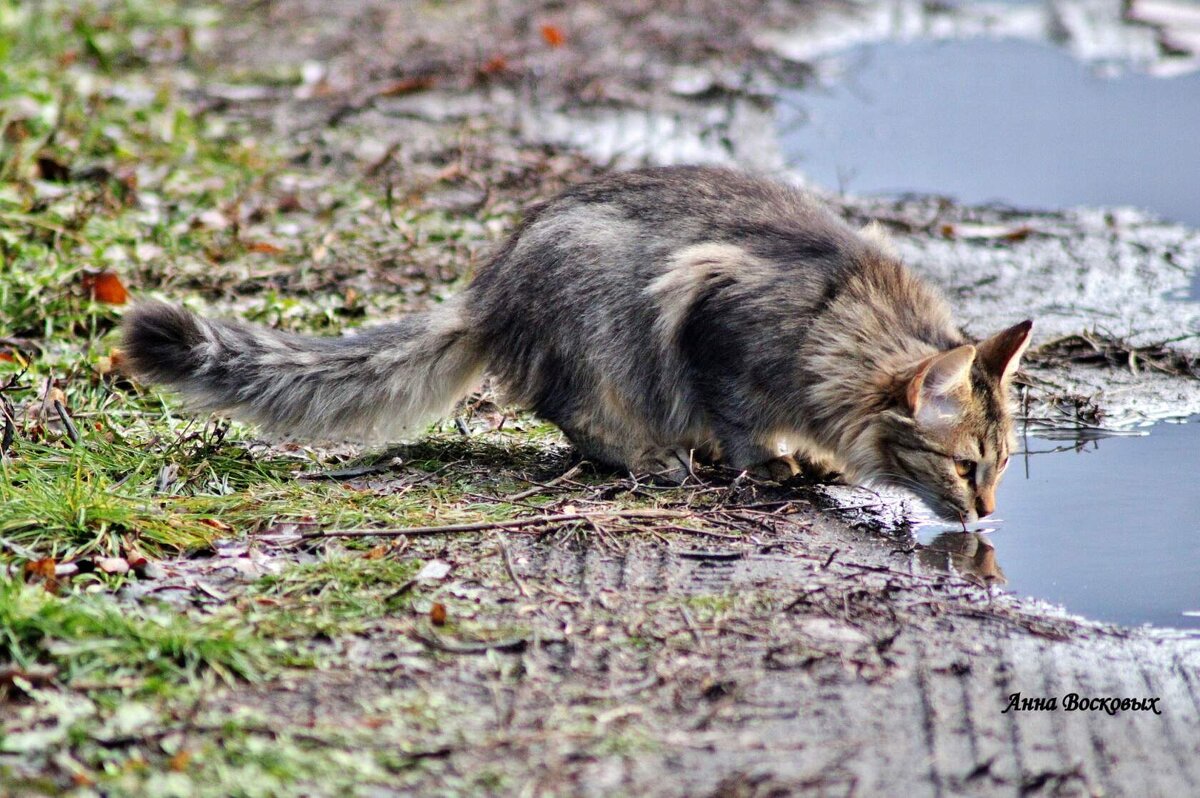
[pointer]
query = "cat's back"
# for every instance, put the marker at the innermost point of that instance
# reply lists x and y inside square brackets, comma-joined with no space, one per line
[622,230]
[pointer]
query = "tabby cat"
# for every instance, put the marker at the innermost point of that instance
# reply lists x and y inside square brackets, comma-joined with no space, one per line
[660,317]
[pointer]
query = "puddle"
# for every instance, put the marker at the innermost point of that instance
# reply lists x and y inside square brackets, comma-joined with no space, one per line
[999,121]
[1109,528]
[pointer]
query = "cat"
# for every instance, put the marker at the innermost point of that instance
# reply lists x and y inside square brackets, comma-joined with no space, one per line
[659,317]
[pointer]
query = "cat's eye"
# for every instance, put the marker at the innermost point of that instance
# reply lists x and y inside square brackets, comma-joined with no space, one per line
[965,468]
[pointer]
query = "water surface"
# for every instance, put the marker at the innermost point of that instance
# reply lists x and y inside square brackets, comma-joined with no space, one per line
[1108,527]
[1007,121]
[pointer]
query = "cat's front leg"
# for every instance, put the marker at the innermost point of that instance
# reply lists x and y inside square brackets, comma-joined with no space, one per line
[743,450]
[780,469]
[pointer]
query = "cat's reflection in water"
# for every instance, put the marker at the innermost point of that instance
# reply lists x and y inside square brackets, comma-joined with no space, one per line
[968,554]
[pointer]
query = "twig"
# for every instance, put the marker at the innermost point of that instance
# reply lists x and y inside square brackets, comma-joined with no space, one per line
[10,429]
[711,555]
[691,625]
[482,647]
[72,433]
[508,566]
[515,523]
[540,486]
[702,532]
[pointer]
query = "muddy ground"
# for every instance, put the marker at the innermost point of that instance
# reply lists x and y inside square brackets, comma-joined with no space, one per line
[745,641]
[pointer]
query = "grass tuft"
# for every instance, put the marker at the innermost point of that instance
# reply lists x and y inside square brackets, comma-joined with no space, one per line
[92,637]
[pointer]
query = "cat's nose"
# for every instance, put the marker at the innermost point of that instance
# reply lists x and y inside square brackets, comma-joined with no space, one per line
[985,504]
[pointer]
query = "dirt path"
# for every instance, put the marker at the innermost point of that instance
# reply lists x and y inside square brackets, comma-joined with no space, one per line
[804,658]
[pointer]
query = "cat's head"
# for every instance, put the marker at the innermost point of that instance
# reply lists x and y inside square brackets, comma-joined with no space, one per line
[947,433]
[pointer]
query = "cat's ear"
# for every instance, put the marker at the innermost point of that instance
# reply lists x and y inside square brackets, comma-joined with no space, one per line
[875,233]
[932,391]
[1000,355]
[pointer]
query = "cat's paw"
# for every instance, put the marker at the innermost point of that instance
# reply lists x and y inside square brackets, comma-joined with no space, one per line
[666,466]
[780,469]
[815,470]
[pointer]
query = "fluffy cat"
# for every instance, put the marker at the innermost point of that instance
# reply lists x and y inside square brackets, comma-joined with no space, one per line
[658,316]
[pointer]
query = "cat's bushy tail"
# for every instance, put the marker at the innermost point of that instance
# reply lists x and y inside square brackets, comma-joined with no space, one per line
[380,384]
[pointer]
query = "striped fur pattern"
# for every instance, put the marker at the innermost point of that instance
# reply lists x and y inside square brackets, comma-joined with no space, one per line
[659,317]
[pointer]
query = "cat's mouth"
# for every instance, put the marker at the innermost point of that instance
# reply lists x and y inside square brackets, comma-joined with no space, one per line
[945,509]
[954,514]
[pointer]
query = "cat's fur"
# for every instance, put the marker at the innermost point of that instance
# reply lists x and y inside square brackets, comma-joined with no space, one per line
[658,317]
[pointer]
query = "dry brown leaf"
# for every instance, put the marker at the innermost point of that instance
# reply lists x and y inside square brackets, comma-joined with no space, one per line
[41,569]
[553,35]
[55,394]
[180,760]
[407,86]
[1018,233]
[105,287]
[45,571]
[437,614]
[265,248]
[378,552]
[215,524]
[494,65]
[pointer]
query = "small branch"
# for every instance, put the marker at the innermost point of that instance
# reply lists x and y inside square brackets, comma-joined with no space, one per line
[72,433]
[10,429]
[687,530]
[515,523]
[720,556]
[508,566]
[540,486]
[515,644]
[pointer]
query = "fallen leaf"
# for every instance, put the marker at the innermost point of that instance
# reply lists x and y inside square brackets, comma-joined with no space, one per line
[180,760]
[105,287]
[215,524]
[211,219]
[378,552]
[433,571]
[5,356]
[112,565]
[494,65]
[288,203]
[55,394]
[45,571]
[37,674]
[407,86]
[41,569]
[265,248]
[437,614]
[553,35]
[1018,234]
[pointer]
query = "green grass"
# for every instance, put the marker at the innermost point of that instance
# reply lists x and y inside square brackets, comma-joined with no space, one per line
[92,637]
[334,595]
[106,165]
